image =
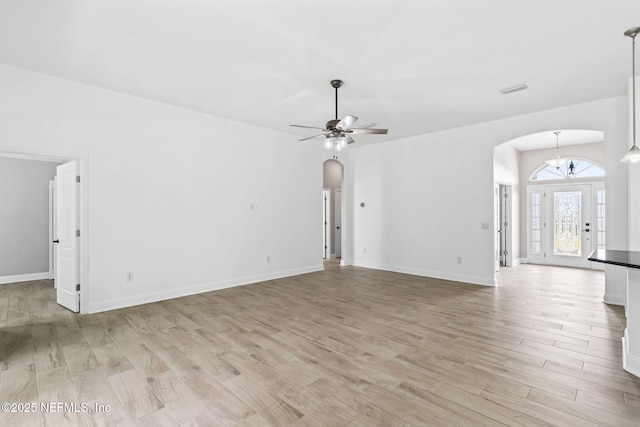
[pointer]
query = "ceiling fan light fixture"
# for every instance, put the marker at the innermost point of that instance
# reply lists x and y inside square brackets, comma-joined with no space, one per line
[328,143]
[342,141]
[337,132]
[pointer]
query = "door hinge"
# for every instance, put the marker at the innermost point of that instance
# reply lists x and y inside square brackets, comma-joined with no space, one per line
[506,195]
[77,178]
[78,287]
[505,224]
[505,252]
[77,233]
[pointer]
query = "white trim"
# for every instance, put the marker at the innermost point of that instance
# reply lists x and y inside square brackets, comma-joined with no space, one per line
[149,297]
[24,277]
[630,362]
[615,299]
[328,237]
[519,261]
[474,280]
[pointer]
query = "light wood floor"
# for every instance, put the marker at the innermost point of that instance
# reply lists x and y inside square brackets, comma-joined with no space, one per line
[343,347]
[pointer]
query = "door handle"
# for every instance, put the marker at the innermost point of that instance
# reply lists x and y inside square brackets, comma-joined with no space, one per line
[56,241]
[586,229]
[338,228]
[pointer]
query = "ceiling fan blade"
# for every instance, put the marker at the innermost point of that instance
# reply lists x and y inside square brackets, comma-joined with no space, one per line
[368,125]
[307,127]
[363,131]
[311,137]
[346,123]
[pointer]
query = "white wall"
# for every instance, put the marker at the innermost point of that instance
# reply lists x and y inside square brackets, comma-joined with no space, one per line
[428,196]
[24,218]
[506,171]
[169,191]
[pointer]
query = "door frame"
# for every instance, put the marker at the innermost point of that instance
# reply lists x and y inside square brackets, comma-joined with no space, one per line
[503,241]
[541,188]
[52,230]
[83,207]
[586,240]
[326,220]
[337,244]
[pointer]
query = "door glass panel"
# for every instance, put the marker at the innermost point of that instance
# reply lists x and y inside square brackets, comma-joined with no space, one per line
[567,214]
[601,219]
[535,224]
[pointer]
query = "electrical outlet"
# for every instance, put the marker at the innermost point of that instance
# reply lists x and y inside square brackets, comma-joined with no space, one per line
[268,258]
[129,277]
[459,260]
[364,250]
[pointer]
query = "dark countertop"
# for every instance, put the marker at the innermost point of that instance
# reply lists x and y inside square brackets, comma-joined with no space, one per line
[624,258]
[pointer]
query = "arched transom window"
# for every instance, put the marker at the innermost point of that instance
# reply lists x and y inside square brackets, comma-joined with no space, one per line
[574,168]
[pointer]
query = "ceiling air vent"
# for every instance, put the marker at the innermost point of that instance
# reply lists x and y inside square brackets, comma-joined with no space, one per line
[516,88]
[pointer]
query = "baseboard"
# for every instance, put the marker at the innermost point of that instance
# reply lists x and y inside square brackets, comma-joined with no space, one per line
[518,261]
[615,299]
[630,362]
[150,297]
[24,278]
[523,260]
[475,280]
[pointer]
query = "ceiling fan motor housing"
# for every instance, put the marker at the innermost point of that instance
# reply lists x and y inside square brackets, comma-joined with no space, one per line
[331,124]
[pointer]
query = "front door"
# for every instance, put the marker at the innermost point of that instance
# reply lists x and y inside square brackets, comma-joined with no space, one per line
[67,266]
[569,226]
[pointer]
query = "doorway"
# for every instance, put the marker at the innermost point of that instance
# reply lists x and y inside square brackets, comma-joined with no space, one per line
[503,226]
[326,223]
[65,246]
[332,209]
[565,223]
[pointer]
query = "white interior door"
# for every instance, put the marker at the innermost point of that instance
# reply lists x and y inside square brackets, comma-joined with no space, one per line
[338,224]
[569,227]
[67,265]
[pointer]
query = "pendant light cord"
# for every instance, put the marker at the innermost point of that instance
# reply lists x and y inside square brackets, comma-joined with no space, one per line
[633,84]
[337,103]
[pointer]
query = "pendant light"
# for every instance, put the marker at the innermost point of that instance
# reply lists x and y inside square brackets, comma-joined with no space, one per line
[557,161]
[633,155]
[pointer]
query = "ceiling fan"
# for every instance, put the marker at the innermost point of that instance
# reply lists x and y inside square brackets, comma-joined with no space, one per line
[337,133]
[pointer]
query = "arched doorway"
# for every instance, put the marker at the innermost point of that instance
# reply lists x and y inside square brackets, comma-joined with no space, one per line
[520,163]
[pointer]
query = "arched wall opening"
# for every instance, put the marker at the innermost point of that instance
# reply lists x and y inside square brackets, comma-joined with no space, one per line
[518,160]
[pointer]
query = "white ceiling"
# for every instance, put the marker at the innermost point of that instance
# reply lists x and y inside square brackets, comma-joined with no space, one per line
[413,66]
